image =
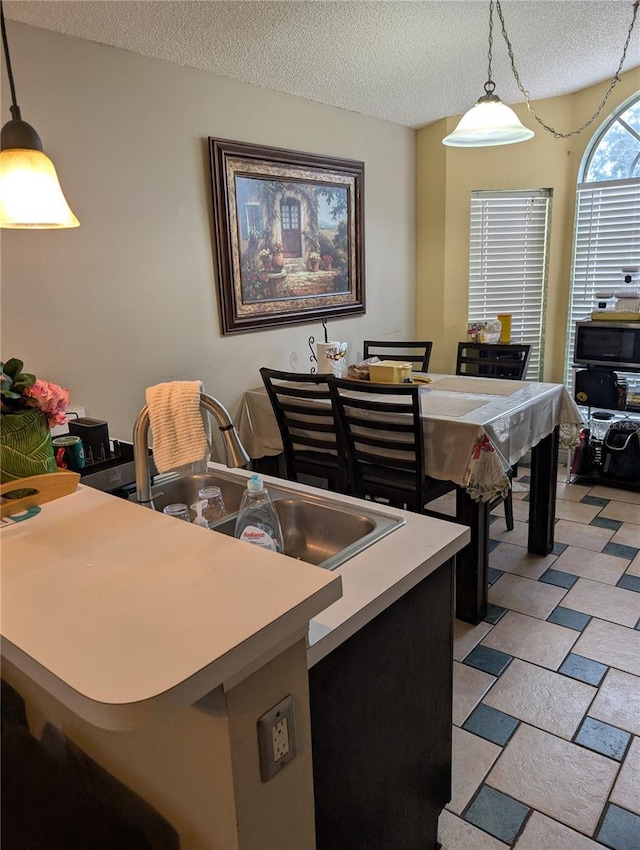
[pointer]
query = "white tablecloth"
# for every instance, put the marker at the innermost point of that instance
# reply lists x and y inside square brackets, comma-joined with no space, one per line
[471,438]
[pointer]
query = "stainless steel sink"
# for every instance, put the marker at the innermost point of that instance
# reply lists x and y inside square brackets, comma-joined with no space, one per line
[316,529]
[185,489]
[316,533]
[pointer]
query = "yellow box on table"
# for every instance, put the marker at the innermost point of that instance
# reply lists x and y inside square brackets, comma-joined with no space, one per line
[389,372]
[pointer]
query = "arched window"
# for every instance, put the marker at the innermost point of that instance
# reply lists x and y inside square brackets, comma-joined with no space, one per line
[607,228]
[615,152]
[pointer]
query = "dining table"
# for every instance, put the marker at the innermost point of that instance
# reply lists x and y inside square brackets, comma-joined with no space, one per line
[474,429]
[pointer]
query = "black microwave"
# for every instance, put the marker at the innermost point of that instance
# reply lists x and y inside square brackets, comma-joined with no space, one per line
[603,343]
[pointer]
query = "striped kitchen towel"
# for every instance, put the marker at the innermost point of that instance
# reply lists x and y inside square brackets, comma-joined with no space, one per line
[178,431]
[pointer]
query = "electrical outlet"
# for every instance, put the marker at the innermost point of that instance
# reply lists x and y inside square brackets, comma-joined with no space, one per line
[276,738]
[280,739]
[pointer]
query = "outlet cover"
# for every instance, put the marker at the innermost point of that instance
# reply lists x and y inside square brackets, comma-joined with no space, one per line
[276,738]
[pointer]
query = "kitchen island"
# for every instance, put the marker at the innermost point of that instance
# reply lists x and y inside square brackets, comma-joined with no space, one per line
[155,646]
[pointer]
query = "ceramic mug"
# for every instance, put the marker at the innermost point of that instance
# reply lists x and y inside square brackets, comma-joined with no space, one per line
[69,452]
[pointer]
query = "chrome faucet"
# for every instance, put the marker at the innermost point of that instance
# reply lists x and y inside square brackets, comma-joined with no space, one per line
[235,453]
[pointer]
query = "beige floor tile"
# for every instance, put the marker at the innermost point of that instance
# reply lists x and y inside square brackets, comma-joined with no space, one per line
[565,782]
[629,496]
[516,559]
[519,495]
[559,779]
[542,833]
[518,537]
[628,535]
[541,698]
[520,514]
[571,492]
[472,760]
[445,504]
[634,566]
[618,702]
[469,686]
[622,511]
[593,565]
[601,600]
[531,639]
[457,834]
[519,490]
[466,636]
[626,791]
[608,643]
[586,536]
[576,512]
[520,511]
[528,597]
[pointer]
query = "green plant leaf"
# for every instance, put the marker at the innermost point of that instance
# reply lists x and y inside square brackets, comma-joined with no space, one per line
[12,368]
[23,381]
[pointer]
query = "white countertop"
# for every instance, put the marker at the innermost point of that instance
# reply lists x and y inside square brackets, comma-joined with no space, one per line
[123,613]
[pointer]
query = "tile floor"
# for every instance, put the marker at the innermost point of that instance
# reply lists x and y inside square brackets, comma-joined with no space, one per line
[546,735]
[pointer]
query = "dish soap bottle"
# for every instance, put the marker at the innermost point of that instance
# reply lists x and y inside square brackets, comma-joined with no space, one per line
[257,520]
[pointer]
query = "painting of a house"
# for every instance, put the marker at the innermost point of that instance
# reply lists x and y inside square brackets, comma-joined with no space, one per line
[288,227]
[293,239]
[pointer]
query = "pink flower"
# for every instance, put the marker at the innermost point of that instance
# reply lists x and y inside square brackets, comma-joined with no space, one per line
[51,399]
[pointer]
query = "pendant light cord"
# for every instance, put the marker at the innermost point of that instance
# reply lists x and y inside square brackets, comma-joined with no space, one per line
[615,80]
[489,86]
[15,109]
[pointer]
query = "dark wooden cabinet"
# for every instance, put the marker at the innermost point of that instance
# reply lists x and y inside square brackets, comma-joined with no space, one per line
[381,725]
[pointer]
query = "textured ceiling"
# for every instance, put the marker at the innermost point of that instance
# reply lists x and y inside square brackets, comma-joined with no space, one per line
[407,62]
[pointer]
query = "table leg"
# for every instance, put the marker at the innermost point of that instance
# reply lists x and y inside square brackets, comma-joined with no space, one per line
[542,507]
[472,563]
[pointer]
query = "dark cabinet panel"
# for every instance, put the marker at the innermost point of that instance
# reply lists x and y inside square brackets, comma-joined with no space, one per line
[381,725]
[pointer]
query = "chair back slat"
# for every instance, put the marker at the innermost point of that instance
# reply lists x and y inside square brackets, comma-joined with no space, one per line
[413,351]
[488,360]
[303,410]
[381,429]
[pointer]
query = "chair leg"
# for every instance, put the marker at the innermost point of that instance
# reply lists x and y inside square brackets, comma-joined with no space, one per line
[508,511]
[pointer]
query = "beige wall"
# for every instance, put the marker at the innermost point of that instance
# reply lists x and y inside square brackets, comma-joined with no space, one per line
[447,176]
[129,298]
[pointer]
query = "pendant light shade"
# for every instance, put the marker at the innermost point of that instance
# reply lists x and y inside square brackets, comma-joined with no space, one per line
[30,194]
[489,122]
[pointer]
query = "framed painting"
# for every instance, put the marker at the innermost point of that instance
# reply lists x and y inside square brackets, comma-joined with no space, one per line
[288,235]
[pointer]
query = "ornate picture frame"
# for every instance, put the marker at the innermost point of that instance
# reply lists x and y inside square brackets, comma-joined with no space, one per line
[288,235]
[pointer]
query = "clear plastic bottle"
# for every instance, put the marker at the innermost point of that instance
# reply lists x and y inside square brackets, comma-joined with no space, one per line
[257,520]
[199,518]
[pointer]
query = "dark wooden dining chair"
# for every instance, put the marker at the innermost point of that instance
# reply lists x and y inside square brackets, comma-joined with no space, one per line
[493,360]
[302,407]
[381,430]
[416,352]
[488,360]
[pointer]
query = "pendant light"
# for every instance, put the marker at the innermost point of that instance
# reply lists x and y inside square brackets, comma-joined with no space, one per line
[490,121]
[30,194]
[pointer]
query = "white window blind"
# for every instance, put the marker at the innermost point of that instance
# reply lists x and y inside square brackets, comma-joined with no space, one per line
[508,264]
[607,239]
